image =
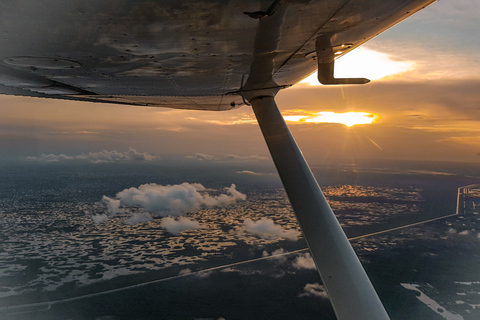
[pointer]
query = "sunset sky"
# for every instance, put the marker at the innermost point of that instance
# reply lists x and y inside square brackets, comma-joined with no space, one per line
[426,96]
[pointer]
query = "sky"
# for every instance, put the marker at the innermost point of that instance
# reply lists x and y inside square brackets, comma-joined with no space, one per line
[424,95]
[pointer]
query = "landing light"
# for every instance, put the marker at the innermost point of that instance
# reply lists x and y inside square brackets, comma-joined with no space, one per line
[338,50]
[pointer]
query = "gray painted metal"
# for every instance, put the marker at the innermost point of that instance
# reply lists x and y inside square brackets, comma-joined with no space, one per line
[351,292]
[194,52]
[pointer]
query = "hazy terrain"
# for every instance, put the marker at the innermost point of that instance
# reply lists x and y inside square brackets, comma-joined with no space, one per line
[129,241]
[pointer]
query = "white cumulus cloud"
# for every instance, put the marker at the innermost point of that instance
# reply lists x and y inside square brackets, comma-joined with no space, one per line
[176,200]
[314,290]
[267,229]
[304,261]
[150,200]
[113,206]
[177,225]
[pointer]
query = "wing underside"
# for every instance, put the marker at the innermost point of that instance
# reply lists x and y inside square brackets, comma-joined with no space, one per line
[189,55]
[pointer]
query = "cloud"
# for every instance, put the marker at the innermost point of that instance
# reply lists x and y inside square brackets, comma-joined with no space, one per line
[113,209]
[99,218]
[233,157]
[280,255]
[253,173]
[428,172]
[457,11]
[249,157]
[99,157]
[267,229]
[304,261]
[113,206]
[185,271]
[314,290]
[249,173]
[113,156]
[453,231]
[50,158]
[139,217]
[417,120]
[149,200]
[177,225]
[202,157]
[133,154]
[83,132]
[176,200]
[469,140]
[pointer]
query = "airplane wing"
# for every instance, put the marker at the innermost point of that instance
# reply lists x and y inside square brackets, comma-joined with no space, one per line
[179,54]
[207,55]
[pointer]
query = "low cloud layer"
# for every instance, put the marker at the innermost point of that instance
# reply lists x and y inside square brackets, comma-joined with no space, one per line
[267,229]
[99,157]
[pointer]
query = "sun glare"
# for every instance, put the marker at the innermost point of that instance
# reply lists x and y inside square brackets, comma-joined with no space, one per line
[365,63]
[348,119]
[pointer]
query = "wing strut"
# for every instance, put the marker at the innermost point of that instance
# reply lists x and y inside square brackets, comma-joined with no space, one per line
[351,293]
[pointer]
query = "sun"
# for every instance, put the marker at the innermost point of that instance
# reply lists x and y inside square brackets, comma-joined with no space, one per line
[348,119]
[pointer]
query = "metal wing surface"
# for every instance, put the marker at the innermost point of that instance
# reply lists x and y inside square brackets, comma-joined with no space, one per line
[181,54]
